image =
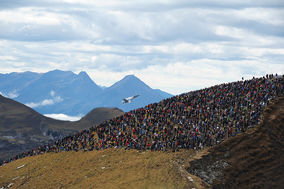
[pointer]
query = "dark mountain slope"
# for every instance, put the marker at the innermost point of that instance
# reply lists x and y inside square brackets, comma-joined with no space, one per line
[98,115]
[254,159]
[22,128]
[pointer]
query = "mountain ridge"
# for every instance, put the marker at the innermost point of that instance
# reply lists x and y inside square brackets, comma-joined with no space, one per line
[58,91]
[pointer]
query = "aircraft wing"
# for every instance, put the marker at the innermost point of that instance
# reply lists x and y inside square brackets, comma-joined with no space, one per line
[125,100]
[135,96]
[128,99]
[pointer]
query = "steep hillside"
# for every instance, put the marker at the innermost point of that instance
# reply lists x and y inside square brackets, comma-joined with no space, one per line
[22,128]
[254,159]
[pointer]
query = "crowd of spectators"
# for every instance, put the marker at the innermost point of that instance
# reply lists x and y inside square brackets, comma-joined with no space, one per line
[191,120]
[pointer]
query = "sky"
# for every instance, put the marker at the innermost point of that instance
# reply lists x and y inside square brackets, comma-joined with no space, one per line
[174,45]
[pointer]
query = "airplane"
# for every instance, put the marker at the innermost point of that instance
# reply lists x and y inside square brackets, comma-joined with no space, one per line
[129,99]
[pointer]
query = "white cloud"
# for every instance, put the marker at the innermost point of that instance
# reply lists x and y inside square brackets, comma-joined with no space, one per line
[45,102]
[52,93]
[63,117]
[31,16]
[209,41]
[7,58]
[180,77]
[12,94]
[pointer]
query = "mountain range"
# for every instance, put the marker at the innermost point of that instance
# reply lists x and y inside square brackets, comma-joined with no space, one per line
[58,92]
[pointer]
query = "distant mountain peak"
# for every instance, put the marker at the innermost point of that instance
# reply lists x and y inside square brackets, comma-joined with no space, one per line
[59,74]
[129,81]
[131,78]
[56,71]
[83,73]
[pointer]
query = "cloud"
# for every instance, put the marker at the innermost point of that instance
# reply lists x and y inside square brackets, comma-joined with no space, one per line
[63,117]
[187,76]
[141,5]
[180,77]
[118,37]
[52,93]
[115,23]
[12,94]
[40,25]
[45,102]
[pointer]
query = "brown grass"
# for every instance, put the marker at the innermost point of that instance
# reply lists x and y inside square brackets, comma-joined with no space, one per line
[111,168]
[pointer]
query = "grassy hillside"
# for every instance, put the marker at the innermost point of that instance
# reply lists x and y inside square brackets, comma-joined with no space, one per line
[111,168]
